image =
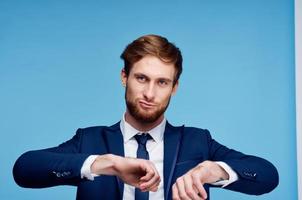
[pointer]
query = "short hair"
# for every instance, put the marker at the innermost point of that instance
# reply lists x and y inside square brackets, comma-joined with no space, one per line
[153,45]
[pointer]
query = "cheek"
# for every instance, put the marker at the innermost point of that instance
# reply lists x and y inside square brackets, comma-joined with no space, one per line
[164,96]
[133,91]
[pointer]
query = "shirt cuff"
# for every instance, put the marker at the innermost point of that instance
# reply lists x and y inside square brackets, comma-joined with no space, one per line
[86,170]
[232,175]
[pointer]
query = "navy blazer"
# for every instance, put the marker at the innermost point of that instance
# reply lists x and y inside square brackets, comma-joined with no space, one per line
[184,148]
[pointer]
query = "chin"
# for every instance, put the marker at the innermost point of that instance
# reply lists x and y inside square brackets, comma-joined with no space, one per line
[147,118]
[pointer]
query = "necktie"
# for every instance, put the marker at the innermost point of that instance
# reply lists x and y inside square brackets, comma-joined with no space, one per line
[142,153]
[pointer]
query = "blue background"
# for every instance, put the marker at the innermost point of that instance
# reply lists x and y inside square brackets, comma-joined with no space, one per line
[60,66]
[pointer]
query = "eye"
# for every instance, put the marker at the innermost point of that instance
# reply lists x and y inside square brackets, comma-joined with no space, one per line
[141,78]
[162,82]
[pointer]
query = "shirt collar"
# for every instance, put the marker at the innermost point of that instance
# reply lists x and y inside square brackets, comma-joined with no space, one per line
[129,131]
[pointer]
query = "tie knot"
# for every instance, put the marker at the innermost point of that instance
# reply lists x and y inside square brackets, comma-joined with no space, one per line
[143,138]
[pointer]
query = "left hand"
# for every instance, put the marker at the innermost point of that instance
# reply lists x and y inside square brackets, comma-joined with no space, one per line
[190,185]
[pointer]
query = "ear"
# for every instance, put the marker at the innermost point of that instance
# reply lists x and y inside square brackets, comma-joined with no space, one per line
[175,87]
[124,77]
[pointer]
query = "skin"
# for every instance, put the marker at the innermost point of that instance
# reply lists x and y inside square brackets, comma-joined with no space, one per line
[149,87]
[190,185]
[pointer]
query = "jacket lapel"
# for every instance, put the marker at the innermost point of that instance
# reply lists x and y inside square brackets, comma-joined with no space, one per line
[115,145]
[172,138]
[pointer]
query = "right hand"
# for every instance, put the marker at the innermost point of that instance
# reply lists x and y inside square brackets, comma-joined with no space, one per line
[139,173]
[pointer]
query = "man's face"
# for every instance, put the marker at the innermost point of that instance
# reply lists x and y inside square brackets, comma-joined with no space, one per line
[149,87]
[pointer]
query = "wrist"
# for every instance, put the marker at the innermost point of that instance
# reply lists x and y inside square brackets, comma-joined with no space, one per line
[104,165]
[216,170]
[115,160]
[222,174]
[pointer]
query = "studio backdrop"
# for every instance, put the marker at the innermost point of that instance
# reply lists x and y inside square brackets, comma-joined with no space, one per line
[60,70]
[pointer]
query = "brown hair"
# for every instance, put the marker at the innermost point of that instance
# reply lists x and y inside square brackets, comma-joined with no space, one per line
[154,45]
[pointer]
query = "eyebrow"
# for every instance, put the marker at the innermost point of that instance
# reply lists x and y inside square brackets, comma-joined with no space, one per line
[160,78]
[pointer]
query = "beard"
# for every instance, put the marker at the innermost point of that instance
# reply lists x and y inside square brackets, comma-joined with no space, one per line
[141,115]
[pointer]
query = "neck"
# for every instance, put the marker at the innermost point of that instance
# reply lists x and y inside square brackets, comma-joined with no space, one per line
[142,126]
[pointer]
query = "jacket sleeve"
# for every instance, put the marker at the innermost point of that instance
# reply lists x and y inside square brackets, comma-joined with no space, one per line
[59,165]
[256,175]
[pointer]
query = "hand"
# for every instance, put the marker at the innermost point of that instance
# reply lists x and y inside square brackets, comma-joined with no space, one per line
[139,173]
[190,185]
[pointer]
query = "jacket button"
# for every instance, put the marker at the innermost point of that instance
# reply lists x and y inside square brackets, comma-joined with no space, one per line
[66,173]
[252,175]
[247,174]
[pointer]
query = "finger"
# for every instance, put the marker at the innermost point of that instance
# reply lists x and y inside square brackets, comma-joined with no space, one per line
[198,185]
[153,182]
[150,173]
[181,188]
[150,179]
[153,189]
[149,186]
[188,183]
[196,191]
[153,171]
[156,172]
[175,195]
[144,167]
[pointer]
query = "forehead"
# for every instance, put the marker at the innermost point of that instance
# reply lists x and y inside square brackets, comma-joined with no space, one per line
[154,68]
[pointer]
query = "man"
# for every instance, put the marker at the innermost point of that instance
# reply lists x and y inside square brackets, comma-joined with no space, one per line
[143,156]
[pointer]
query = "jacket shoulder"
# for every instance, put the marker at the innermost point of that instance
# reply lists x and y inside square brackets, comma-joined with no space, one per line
[187,128]
[97,129]
[190,129]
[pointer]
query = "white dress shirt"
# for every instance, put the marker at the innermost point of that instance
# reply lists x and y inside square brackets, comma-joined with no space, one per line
[155,148]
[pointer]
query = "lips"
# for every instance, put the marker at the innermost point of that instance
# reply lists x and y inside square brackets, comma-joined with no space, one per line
[146,104]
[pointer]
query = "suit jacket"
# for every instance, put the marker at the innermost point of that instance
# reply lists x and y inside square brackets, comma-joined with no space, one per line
[184,148]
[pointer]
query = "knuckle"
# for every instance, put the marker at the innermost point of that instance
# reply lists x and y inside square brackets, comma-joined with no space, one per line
[195,180]
[179,180]
[195,175]
[206,162]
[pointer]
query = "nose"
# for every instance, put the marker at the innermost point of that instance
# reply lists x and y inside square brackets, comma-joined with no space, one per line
[149,92]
